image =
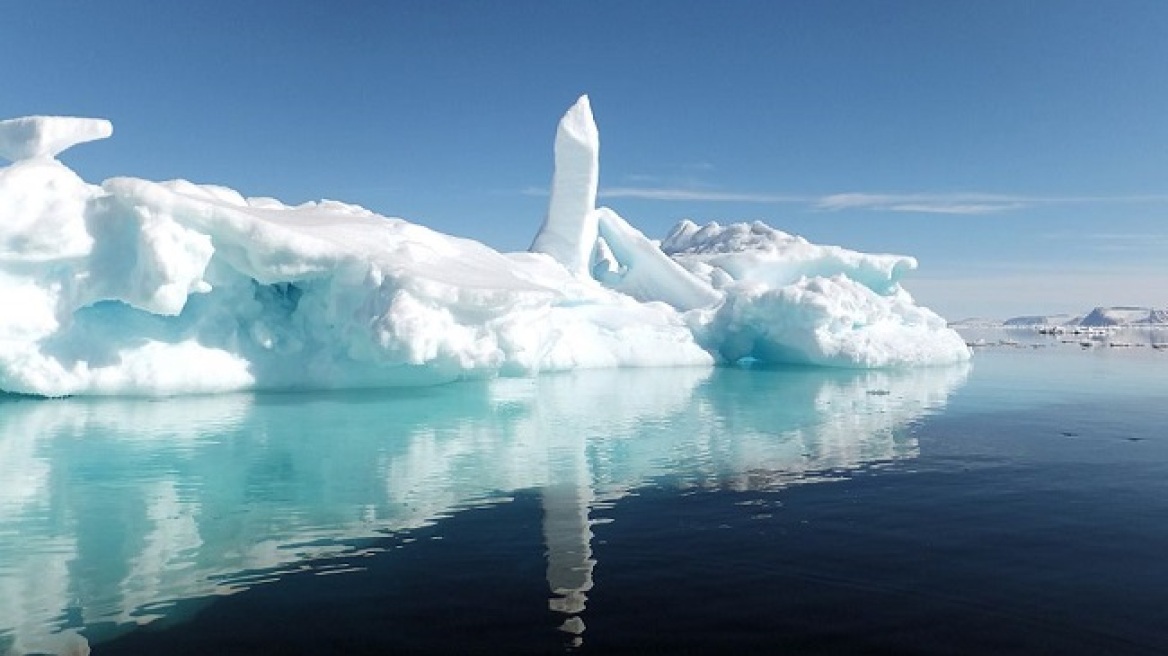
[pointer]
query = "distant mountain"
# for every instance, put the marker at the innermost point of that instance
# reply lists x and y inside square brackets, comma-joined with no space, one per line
[1098,318]
[1158,317]
[1041,320]
[1116,316]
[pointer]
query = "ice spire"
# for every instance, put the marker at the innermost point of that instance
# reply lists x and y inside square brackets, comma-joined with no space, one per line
[570,230]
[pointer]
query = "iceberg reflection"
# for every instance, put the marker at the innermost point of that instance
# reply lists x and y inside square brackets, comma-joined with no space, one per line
[113,510]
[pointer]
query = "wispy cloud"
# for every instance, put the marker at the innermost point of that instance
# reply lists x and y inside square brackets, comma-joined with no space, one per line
[701,195]
[671,194]
[957,203]
[956,208]
[960,203]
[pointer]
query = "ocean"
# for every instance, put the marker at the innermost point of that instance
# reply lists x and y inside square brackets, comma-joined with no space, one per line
[1015,505]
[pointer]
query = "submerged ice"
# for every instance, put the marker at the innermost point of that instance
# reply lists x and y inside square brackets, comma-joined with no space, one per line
[140,287]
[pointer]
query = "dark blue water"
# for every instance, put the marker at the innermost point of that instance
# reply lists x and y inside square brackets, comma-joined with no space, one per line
[1020,506]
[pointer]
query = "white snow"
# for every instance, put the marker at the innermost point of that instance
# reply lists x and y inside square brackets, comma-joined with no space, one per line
[1119,316]
[636,266]
[140,287]
[788,300]
[1099,317]
[757,253]
[32,137]
[569,232]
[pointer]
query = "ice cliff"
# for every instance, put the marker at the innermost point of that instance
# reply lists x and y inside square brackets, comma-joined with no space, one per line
[140,287]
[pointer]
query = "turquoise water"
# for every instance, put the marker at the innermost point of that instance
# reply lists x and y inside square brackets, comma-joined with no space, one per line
[1016,505]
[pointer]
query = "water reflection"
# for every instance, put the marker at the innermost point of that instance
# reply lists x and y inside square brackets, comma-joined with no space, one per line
[112,510]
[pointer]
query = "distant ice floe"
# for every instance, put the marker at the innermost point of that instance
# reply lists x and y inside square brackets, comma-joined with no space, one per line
[141,288]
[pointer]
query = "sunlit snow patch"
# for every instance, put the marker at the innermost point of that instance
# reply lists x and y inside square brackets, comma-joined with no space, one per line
[138,287]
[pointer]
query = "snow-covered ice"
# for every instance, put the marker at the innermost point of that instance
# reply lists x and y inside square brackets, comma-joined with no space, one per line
[570,231]
[32,137]
[140,287]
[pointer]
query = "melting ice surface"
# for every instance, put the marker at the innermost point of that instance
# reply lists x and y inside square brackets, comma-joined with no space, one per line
[140,287]
[113,510]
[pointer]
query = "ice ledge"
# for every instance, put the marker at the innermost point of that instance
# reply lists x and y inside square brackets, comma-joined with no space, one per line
[32,137]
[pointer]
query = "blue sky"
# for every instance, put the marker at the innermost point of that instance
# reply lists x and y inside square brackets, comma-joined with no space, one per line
[1018,149]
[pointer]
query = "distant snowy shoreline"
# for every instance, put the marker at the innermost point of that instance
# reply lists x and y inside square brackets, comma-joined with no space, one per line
[1118,316]
[1122,327]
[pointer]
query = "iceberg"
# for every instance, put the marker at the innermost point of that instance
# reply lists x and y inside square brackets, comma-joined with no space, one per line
[134,287]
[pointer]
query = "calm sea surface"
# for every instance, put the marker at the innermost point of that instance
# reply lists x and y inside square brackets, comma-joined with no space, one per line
[1015,506]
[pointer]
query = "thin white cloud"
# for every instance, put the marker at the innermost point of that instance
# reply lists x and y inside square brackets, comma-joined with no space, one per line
[938,208]
[700,195]
[961,202]
[958,203]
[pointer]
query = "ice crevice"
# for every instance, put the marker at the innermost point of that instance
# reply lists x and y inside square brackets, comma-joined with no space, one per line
[134,287]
